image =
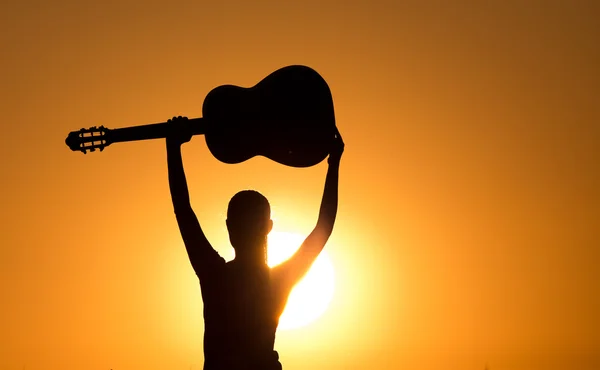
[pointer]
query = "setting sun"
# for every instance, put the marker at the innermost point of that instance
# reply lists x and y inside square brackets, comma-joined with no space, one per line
[311,296]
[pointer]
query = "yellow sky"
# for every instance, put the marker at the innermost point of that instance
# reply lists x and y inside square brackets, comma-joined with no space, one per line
[469,213]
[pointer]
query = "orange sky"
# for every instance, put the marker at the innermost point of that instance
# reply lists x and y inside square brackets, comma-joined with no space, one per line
[468,228]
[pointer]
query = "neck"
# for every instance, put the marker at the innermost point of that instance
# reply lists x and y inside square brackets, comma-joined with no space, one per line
[252,259]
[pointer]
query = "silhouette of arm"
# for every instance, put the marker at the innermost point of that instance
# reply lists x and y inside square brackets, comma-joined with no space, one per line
[201,254]
[291,271]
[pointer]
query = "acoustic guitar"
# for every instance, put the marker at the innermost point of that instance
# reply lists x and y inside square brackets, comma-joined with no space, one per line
[287,117]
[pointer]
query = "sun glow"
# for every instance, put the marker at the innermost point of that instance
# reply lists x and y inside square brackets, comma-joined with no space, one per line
[311,296]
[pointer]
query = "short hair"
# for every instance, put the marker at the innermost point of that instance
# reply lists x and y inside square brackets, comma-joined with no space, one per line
[248,205]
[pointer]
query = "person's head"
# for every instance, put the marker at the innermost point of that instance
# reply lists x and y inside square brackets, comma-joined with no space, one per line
[249,222]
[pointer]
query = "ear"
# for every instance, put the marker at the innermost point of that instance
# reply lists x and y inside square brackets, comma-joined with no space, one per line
[269,226]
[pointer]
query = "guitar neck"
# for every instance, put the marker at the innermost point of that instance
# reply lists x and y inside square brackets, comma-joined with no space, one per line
[100,137]
[151,131]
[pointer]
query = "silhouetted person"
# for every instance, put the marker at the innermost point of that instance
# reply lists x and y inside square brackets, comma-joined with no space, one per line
[244,298]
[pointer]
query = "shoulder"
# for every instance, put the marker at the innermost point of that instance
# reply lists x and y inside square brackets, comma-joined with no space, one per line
[209,265]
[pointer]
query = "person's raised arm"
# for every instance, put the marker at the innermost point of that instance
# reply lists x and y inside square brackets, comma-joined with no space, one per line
[200,252]
[294,269]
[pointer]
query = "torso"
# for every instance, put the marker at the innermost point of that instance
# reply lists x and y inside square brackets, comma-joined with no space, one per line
[241,313]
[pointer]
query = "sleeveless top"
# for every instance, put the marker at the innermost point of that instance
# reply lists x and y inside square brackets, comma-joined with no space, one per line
[241,314]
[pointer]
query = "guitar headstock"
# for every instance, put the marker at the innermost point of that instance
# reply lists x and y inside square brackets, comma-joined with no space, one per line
[89,139]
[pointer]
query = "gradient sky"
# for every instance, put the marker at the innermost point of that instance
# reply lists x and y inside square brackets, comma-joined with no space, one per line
[468,231]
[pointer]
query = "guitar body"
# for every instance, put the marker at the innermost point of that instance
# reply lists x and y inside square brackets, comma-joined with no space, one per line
[287,117]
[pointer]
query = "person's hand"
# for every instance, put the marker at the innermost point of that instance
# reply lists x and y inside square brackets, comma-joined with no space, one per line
[336,149]
[179,130]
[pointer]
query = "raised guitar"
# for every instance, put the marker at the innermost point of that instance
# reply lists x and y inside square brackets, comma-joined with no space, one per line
[287,117]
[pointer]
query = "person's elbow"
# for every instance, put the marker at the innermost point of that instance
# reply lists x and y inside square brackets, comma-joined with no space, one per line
[320,235]
[324,226]
[182,210]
